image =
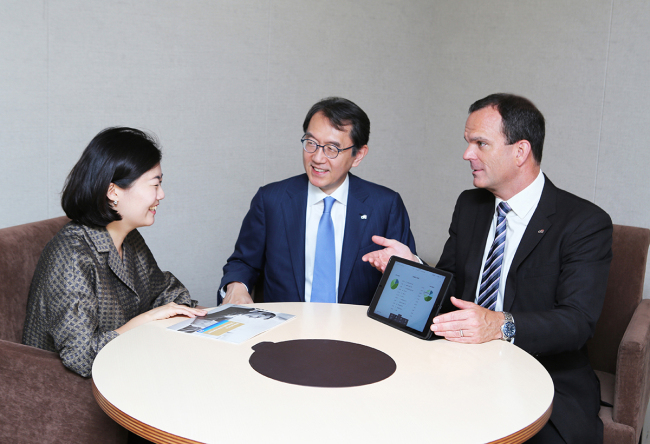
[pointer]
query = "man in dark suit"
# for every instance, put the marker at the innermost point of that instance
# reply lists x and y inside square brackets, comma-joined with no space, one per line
[542,286]
[280,234]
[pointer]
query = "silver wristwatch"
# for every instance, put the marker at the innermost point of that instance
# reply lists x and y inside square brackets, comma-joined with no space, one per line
[508,328]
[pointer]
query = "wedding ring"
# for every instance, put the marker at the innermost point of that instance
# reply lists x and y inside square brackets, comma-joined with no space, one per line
[461,333]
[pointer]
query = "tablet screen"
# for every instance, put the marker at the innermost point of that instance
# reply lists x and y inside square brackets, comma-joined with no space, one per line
[409,296]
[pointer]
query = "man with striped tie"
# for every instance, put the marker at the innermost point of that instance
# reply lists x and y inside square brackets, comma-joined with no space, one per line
[530,262]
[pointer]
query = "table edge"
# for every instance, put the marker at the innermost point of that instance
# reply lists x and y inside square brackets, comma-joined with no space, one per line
[140,428]
[161,437]
[526,433]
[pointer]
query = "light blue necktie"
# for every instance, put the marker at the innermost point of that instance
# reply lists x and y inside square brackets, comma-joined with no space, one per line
[323,286]
[492,270]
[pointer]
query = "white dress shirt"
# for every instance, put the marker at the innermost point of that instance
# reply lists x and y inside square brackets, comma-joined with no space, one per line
[523,205]
[315,206]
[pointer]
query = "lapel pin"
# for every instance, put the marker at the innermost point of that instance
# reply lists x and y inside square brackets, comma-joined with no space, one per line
[364,217]
[541,231]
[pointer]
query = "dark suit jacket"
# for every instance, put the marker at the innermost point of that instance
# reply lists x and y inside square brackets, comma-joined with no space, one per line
[272,239]
[555,291]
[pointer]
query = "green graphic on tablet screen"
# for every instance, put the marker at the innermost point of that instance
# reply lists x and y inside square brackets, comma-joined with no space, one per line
[428,295]
[394,283]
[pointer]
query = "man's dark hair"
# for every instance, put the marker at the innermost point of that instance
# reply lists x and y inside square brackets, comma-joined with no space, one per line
[521,120]
[341,113]
[116,155]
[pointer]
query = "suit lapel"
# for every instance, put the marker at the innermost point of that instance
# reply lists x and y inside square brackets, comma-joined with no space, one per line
[104,245]
[535,231]
[294,208]
[116,264]
[480,233]
[355,230]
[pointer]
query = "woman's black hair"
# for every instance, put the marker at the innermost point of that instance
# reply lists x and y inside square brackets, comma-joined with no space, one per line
[116,155]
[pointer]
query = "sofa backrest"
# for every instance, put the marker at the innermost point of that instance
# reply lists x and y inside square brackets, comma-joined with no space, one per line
[624,294]
[20,248]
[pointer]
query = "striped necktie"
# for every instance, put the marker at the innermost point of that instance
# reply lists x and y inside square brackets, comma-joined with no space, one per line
[492,270]
[323,287]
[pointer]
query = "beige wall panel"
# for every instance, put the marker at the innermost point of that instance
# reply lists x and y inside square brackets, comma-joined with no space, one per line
[374,56]
[622,182]
[226,85]
[24,169]
[192,73]
[553,53]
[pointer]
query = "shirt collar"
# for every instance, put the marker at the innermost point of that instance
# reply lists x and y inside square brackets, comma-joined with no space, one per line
[315,194]
[100,237]
[527,199]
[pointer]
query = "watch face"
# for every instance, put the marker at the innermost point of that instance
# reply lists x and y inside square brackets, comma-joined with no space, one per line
[508,329]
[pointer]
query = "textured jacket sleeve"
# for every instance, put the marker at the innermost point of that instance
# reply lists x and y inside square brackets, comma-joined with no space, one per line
[82,291]
[63,299]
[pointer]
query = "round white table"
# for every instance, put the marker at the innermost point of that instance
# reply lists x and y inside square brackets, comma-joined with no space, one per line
[173,387]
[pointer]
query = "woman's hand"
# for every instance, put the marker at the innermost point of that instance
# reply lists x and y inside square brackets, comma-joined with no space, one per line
[173,309]
[162,312]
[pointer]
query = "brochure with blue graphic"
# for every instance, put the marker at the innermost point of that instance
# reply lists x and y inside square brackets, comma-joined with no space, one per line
[232,323]
[409,296]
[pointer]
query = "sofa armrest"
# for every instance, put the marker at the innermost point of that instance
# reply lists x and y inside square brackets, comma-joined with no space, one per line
[632,389]
[42,401]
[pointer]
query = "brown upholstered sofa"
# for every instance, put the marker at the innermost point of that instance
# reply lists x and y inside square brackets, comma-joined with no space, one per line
[40,400]
[620,348]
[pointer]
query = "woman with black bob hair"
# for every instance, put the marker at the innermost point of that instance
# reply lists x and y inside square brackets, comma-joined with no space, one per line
[97,278]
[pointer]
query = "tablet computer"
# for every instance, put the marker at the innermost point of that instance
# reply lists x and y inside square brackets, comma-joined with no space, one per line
[409,296]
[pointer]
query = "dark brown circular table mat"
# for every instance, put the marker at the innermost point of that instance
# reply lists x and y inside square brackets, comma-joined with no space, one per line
[321,363]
